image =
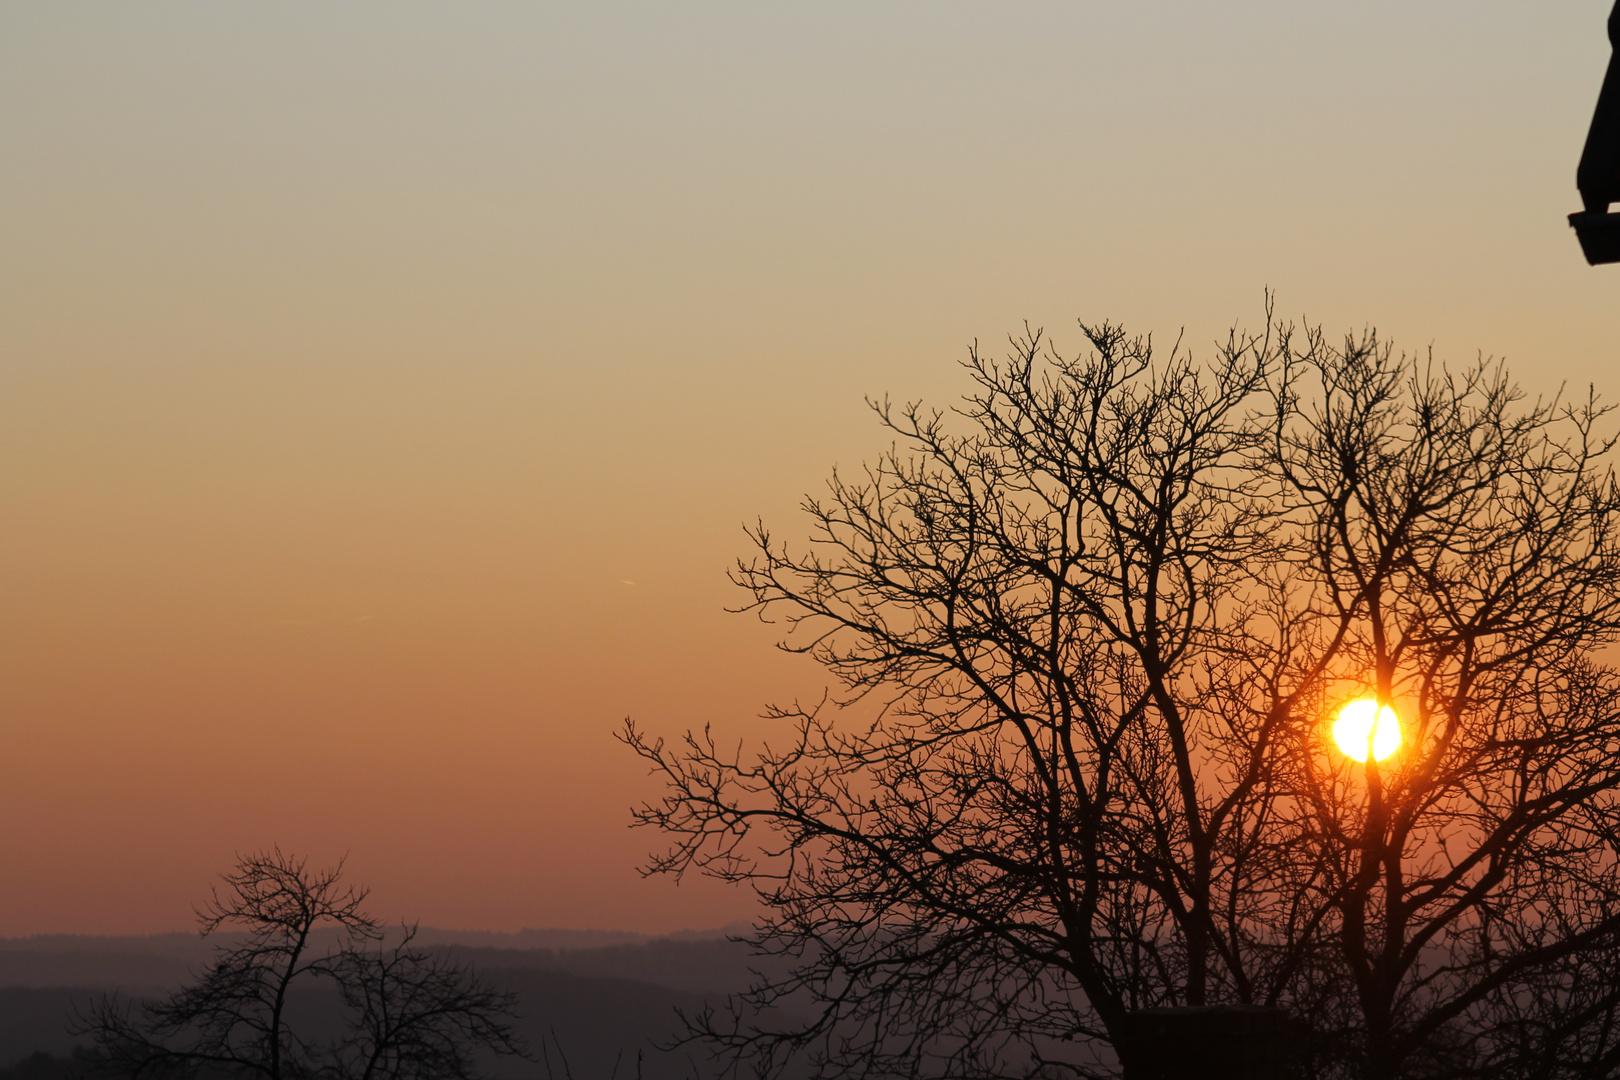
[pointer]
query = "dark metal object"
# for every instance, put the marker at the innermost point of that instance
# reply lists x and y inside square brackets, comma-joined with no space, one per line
[1212,1042]
[1598,177]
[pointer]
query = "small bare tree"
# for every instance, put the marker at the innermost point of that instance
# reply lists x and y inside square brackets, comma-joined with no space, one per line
[406,1013]
[1090,632]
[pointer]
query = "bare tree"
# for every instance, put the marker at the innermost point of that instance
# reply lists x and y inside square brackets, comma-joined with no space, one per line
[1474,539]
[1089,630]
[406,1013]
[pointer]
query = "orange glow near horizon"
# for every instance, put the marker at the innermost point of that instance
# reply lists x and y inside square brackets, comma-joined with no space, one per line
[377,428]
[1364,725]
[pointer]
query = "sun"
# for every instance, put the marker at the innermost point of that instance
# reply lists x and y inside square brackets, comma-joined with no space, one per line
[1364,724]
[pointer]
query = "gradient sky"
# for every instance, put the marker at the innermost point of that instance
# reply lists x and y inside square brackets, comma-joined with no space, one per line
[383,387]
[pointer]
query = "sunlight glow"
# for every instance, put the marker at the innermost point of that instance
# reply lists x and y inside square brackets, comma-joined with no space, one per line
[1362,724]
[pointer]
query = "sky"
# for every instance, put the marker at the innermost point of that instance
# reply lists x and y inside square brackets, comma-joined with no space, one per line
[384,388]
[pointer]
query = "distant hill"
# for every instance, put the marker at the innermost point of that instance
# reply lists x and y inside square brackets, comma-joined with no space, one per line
[597,998]
[704,961]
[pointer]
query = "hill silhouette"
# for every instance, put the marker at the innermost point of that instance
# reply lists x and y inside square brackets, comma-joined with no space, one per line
[599,999]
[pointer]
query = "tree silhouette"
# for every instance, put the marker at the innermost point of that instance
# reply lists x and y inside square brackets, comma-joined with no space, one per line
[407,1013]
[1475,541]
[1089,628]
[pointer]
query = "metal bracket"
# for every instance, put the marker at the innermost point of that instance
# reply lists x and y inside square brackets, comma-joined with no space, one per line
[1598,177]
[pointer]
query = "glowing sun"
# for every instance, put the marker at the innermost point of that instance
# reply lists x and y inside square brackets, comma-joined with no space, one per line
[1363,724]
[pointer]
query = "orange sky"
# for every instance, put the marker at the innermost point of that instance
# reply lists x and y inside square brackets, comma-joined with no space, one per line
[383,387]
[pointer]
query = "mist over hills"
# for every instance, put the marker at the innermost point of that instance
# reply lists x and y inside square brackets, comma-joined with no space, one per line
[604,998]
